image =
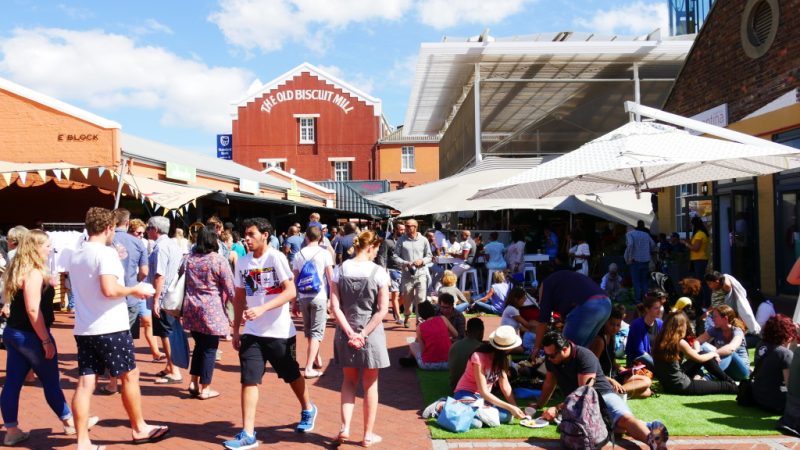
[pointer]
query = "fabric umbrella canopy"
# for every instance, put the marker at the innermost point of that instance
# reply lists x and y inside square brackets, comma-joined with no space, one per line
[644,155]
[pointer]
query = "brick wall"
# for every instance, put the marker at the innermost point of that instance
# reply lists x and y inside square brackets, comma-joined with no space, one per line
[718,71]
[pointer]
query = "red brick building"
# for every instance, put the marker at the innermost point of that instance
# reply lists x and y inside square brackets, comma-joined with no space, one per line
[312,122]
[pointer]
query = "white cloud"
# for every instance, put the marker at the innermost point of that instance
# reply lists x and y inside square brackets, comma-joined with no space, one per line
[75,12]
[442,14]
[635,18]
[110,71]
[358,80]
[151,26]
[403,70]
[268,24]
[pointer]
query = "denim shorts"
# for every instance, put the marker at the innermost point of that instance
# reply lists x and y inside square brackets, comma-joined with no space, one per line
[144,311]
[617,406]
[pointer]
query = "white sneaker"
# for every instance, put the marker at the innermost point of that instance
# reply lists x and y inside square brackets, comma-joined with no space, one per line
[431,410]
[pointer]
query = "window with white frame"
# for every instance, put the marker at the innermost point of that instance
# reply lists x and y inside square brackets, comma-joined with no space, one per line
[341,170]
[307,130]
[682,191]
[407,161]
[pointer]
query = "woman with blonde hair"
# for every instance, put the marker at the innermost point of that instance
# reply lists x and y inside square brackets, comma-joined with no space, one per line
[726,337]
[494,300]
[359,301]
[29,344]
[449,287]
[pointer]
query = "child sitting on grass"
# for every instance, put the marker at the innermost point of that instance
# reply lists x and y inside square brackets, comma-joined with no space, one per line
[429,351]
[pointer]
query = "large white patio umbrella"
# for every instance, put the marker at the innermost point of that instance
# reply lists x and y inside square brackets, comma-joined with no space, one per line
[646,155]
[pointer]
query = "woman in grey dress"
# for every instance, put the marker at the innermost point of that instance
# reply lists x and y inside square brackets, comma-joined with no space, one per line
[359,301]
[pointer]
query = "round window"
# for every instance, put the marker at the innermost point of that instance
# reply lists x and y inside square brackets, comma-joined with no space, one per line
[759,26]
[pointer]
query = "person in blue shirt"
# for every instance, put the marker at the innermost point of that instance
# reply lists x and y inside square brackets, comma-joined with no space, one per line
[644,330]
[494,250]
[550,243]
[293,243]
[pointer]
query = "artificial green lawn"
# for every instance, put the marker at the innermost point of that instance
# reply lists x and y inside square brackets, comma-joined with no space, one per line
[707,415]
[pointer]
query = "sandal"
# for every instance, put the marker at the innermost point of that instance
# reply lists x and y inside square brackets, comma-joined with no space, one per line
[156,434]
[343,436]
[71,431]
[315,374]
[207,395]
[168,380]
[370,441]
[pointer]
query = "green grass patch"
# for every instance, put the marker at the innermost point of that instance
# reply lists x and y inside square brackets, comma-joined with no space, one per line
[708,415]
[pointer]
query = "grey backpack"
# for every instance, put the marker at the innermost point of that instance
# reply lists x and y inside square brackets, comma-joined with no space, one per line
[582,426]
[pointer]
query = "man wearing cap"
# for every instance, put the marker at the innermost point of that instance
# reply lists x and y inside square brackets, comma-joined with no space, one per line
[570,366]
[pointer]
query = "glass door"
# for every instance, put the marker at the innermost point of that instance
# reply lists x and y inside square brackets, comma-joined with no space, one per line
[743,239]
[788,240]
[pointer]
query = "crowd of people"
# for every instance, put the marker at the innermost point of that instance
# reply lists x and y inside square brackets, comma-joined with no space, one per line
[246,284]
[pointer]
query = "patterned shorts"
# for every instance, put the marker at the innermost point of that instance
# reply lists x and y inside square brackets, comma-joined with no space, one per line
[112,352]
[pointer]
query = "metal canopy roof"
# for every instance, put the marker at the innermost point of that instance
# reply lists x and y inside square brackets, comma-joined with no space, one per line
[544,93]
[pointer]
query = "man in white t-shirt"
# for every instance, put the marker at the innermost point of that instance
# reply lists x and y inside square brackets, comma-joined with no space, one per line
[311,302]
[102,331]
[263,289]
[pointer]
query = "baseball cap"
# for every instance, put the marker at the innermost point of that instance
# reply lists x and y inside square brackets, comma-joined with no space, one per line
[682,302]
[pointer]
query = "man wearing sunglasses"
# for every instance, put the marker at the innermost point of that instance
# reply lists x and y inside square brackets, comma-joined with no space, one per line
[570,366]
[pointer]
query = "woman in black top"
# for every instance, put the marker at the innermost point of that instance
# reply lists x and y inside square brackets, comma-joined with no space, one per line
[773,359]
[29,343]
[668,352]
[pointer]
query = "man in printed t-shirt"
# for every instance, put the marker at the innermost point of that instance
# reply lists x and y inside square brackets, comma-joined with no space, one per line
[263,289]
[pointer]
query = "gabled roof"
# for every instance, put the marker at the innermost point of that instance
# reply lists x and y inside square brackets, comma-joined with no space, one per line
[322,75]
[58,105]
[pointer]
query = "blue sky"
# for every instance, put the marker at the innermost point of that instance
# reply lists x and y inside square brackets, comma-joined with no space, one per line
[168,70]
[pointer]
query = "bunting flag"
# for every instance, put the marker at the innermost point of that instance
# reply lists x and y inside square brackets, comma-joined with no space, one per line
[173,213]
[101,171]
[113,174]
[57,173]
[164,213]
[194,203]
[152,205]
[180,212]
[67,171]
[143,199]
[42,174]
[23,176]
[7,178]
[84,172]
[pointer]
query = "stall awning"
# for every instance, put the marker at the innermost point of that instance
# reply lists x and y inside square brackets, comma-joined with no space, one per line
[168,195]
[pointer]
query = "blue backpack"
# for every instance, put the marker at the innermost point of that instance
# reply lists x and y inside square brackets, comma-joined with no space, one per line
[308,281]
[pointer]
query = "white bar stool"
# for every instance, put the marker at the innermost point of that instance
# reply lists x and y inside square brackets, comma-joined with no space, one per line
[529,269]
[489,278]
[463,281]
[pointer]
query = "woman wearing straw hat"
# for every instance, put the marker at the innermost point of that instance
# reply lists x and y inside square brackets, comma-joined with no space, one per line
[488,366]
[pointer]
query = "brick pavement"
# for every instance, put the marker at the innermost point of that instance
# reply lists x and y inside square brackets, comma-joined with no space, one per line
[204,424]
[199,424]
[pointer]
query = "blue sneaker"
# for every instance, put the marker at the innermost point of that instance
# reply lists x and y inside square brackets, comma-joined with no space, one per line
[307,419]
[242,441]
[658,436]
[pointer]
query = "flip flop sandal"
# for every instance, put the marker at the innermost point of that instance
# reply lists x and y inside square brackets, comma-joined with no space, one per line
[157,434]
[341,438]
[169,380]
[71,431]
[315,375]
[368,442]
[207,395]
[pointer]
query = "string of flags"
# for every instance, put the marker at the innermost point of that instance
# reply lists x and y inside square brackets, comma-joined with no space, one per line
[65,173]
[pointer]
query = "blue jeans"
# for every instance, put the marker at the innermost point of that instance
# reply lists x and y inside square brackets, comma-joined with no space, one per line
[486,307]
[461,307]
[640,275]
[733,364]
[25,352]
[585,321]
[505,416]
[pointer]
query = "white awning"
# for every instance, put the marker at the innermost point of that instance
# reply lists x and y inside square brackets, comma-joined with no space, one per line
[452,194]
[168,195]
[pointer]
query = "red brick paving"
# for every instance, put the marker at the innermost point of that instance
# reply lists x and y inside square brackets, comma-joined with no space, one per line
[204,424]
